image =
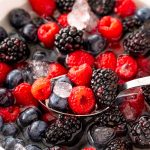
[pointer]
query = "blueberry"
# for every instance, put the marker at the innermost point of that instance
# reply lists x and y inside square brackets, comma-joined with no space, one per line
[64,78]
[143,14]
[58,103]
[9,143]
[3,34]
[1,122]
[14,78]
[9,129]
[6,98]
[29,32]
[19,17]
[95,44]
[28,116]
[38,21]
[32,147]
[39,55]
[36,130]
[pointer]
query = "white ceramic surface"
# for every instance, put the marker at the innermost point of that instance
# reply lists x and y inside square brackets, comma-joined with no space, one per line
[7,5]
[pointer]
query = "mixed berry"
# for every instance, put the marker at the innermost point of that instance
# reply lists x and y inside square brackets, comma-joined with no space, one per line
[73,64]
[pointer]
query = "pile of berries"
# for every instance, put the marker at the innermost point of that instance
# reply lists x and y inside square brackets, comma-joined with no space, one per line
[47,62]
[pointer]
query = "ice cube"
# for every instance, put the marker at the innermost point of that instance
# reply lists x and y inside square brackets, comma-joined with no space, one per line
[62,89]
[38,68]
[82,17]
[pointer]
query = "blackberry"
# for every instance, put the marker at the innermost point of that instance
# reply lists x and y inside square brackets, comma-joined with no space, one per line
[68,39]
[137,42]
[130,23]
[146,92]
[119,144]
[13,50]
[140,132]
[112,117]
[102,7]
[104,85]
[65,5]
[64,131]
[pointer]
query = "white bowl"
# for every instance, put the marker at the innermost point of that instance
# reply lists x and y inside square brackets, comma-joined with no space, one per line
[8,5]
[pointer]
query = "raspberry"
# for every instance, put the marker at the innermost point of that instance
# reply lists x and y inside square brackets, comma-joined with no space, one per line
[9,114]
[80,75]
[56,69]
[110,27]
[106,60]
[89,148]
[23,96]
[125,8]
[62,20]
[48,117]
[126,67]
[43,8]
[4,70]
[78,58]
[81,100]
[47,32]
[41,89]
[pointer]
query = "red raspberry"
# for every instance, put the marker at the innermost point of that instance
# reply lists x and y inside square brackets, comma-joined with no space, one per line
[133,106]
[78,58]
[62,20]
[9,114]
[125,8]
[4,70]
[43,7]
[80,75]
[81,100]
[48,117]
[106,60]
[126,67]
[23,96]
[56,69]
[46,33]
[110,27]
[89,148]
[41,89]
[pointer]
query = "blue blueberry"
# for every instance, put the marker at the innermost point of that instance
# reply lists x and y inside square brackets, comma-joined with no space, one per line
[29,32]
[32,147]
[14,78]
[9,129]
[28,116]
[19,17]
[9,143]
[143,14]
[95,44]
[64,78]
[1,122]
[3,34]
[6,98]
[58,103]
[36,130]
[39,55]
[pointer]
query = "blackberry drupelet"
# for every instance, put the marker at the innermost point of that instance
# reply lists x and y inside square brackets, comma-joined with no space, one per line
[68,39]
[140,132]
[131,23]
[65,5]
[102,7]
[64,131]
[112,117]
[138,42]
[146,92]
[13,50]
[104,85]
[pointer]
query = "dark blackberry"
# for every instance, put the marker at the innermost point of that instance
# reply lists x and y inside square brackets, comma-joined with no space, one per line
[112,117]
[68,39]
[119,144]
[102,7]
[104,85]
[131,23]
[64,131]
[137,42]
[140,132]
[146,92]
[13,50]
[3,34]
[65,5]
